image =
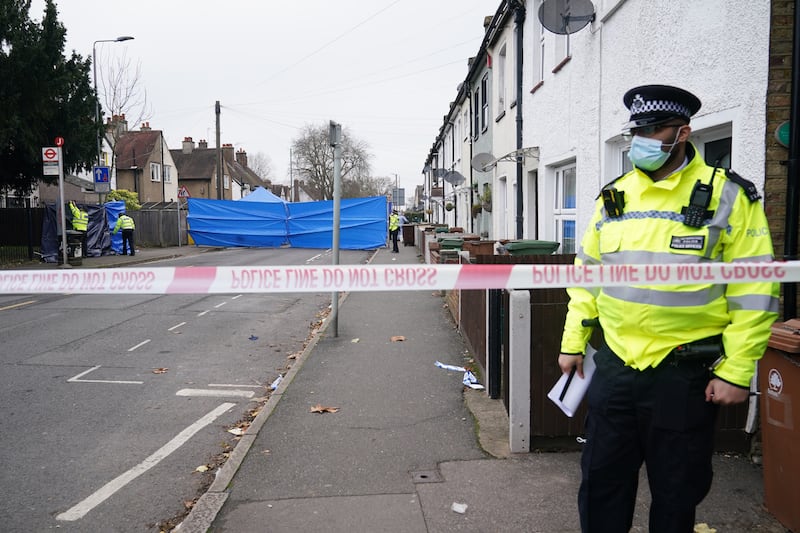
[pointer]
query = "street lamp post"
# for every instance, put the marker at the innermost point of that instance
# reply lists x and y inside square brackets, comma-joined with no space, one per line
[94,67]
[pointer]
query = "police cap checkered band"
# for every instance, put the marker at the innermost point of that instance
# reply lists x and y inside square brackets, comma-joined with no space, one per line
[654,104]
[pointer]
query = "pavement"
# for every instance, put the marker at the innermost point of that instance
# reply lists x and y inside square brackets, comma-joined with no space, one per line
[405,446]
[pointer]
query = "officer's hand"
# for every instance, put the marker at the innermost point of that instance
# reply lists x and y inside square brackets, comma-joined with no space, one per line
[723,393]
[568,362]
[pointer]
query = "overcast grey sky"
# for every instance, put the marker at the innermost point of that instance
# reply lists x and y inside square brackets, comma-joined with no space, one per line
[385,69]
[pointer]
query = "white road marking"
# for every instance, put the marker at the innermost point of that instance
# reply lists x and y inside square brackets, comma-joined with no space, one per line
[202,313]
[6,308]
[216,393]
[237,297]
[233,385]
[139,345]
[77,379]
[176,326]
[220,305]
[105,492]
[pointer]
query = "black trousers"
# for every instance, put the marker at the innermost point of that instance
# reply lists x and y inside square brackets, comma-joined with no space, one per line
[393,234]
[127,239]
[659,417]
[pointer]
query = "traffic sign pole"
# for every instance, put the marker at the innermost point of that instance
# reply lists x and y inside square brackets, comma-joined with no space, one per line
[62,215]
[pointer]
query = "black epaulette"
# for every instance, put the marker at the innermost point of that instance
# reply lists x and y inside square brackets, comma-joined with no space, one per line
[749,187]
[609,184]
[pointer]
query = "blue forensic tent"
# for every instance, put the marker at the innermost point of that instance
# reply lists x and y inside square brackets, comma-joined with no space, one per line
[99,240]
[262,195]
[237,223]
[303,224]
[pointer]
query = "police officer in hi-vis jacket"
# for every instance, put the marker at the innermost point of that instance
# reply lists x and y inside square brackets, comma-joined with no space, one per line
[673,353]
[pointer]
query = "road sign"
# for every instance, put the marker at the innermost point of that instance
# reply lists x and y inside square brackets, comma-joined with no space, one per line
[50,161]
[183,193]
[101,181]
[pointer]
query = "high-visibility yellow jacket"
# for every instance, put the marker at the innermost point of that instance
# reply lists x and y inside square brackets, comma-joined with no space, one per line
[643,323]
[124,222]
[80,218]
[394,222]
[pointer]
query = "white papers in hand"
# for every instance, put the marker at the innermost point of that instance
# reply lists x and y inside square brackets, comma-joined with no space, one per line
[568,400]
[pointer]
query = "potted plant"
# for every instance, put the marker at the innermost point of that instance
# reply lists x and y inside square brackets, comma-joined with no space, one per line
[486,198]
[476,210]
[449,206]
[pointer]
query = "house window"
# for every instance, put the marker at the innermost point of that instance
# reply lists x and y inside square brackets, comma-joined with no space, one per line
[625,164]
[485,102]
[465,124]
[155,172]
[564,208]
[476,105]
[718,152]
[226,180]
[501,80]
[539,72]
[167,174]
[457,139]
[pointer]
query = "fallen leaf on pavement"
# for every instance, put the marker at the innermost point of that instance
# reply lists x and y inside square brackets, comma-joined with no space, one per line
[319,408]
[703,528]
[397,338]
[160,370]
[355,340]
[236,431]
[201,468]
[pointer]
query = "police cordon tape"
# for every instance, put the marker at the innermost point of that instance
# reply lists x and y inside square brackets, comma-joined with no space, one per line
[276,279]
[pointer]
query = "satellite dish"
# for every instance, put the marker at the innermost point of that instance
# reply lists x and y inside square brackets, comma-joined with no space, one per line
[439,172]
[454,178]
[566,16]
[482,162]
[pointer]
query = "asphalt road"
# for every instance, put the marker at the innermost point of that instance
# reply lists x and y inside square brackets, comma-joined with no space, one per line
[110,404]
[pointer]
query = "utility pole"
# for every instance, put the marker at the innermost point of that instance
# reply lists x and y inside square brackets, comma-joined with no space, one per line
[219,155]
[335,134]
[291,177]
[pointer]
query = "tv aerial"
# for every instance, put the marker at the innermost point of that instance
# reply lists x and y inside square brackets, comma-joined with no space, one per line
[566,16]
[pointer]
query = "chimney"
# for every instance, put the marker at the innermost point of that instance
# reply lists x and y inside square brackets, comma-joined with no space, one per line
[117,125]
[486,21]
[202,144]
[227,153]
[241,158]
[145,126]
[188,145]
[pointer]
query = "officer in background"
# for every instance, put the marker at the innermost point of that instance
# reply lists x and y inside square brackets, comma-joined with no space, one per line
[80,222]
[672,353]
[394,229]
[128,226]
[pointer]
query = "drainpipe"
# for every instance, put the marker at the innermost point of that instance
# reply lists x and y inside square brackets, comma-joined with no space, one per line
[519,19]
[792,189]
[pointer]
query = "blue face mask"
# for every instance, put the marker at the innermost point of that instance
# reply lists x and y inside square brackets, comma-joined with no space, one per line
[646,153]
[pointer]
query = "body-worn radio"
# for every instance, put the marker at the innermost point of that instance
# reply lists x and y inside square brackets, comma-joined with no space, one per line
[697,211]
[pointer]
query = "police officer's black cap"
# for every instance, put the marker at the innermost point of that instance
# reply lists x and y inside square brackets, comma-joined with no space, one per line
[650,105]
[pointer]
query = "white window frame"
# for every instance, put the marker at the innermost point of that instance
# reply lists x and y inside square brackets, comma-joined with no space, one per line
[155,172]
[167,174]
[226,181]
[502,59]
[563,214]
[485,102]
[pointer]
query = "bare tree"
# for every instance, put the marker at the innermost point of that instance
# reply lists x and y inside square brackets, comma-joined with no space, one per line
[261,164]
[364,186]
[312,160]
[123,94]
